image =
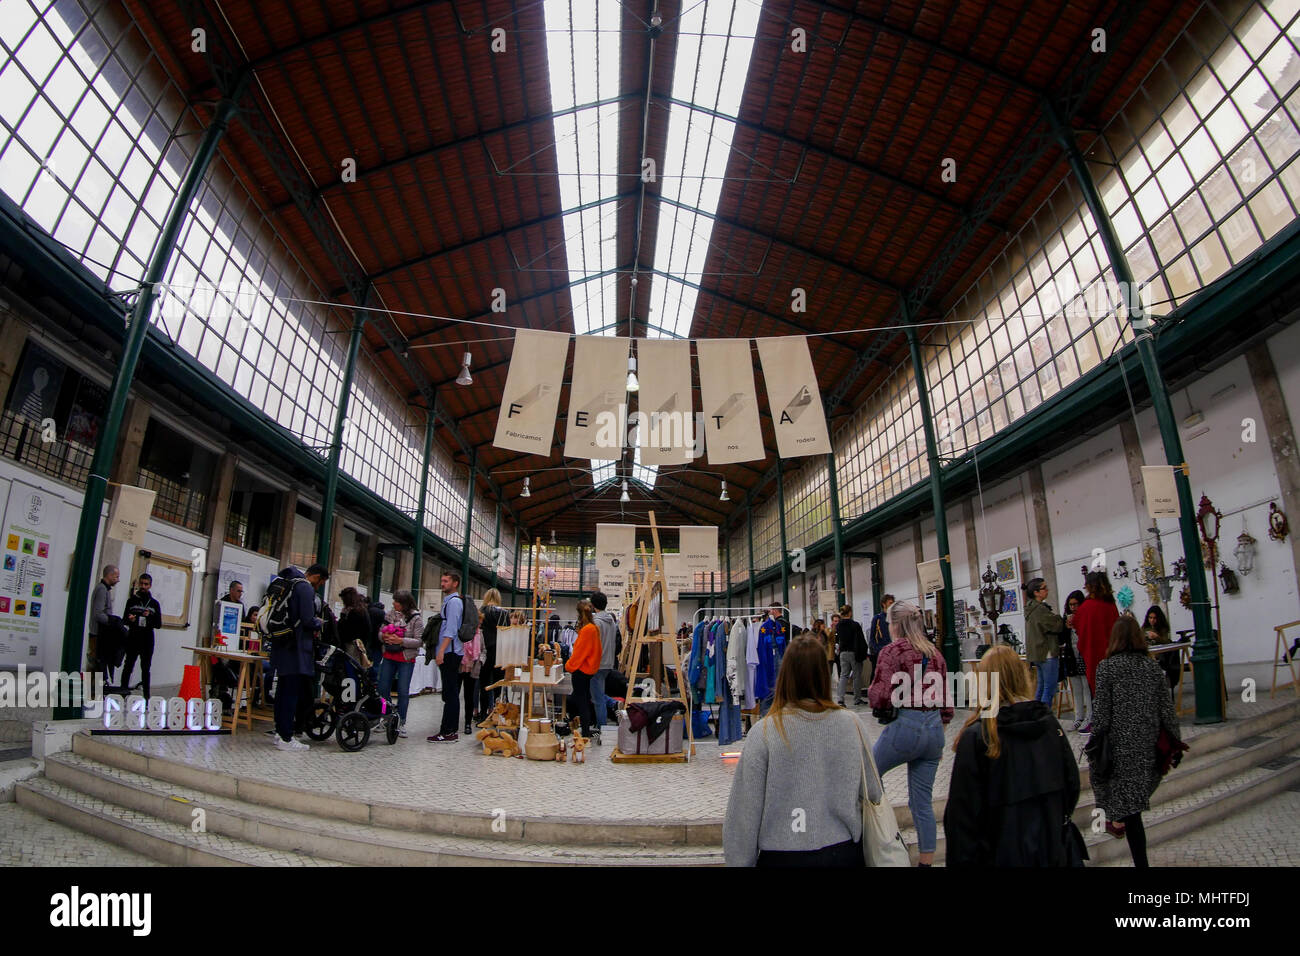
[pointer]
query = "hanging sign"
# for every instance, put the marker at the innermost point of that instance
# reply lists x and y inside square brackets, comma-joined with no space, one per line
[526,419]
[794,397]
[1161,491]
[597,399]
[615,552]
[729,402]
[678,577]
[826,604]
[699,548]
[930,574]
[130,516]
[667,434]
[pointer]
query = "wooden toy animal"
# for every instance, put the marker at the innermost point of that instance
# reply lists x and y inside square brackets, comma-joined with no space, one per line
[578,746]
[502,715]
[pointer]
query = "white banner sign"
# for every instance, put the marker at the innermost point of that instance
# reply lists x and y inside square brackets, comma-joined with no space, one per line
[1161,491]
[826,604]
[526,419]
[338,580]
[930,575]
[667,433]
[793,397]
[699,548]
[597,399]
[678,577]
[615,552]
[130,516]
[729,402]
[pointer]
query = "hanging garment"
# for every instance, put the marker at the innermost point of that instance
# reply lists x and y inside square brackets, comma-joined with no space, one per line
[751,665]
[653,716]
[771,648]
[736,670]
[729,730]
[696,672]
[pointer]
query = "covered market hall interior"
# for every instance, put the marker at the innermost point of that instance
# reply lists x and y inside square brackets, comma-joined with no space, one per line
[737,312]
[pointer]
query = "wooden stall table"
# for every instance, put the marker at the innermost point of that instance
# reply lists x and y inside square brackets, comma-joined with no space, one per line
[250,679]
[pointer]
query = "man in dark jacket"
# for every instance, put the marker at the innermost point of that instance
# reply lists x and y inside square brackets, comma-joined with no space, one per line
[853,656]
[1011,810]
[374,646]
[143,615]
[293,659]
[878,637]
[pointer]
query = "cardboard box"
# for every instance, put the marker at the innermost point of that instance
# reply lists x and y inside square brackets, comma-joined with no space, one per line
[669,742]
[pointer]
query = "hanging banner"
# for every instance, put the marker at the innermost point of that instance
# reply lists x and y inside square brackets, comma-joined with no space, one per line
[1161,491]
[526,419]
[793,397]
[130,516]
[615,552]
[668,434]
[699,548]
[826,604]
[677,576]
[930,576]
[597,399]
[729,402]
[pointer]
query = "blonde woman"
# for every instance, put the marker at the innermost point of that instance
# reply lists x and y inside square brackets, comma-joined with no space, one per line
[803,760]
[1014,780]
[491,615]
[915,736]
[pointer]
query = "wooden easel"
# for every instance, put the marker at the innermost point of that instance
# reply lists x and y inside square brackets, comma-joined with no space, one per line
[1282,648]
[653,573]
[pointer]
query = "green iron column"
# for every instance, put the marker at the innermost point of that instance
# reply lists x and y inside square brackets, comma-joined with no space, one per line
[1206,652]
[417,544]
[785,553]
[951,649]
[749,517]
[469,523]
[74,623]
[326,530]
[728,598]
[837,535]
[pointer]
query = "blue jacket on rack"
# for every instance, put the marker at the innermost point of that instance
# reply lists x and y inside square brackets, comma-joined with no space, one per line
[771,648]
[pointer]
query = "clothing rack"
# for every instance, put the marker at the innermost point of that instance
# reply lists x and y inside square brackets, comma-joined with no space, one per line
[716,612]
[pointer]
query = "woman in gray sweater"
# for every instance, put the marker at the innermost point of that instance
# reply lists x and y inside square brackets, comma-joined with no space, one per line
[795,799]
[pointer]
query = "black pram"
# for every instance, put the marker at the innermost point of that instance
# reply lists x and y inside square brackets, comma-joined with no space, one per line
[350,706]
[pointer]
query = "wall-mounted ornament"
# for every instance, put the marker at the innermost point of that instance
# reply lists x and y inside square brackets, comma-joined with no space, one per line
[1185,596]
[1277,526]
[1121,569]
[1229,579]
[1124,600]
[1180,569]
[1208,517]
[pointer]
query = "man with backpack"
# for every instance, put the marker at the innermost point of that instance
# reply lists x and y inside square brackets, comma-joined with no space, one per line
[289,619]
[879,638]
[459,624]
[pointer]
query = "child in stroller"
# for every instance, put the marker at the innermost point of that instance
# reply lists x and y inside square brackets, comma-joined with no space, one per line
[350,706]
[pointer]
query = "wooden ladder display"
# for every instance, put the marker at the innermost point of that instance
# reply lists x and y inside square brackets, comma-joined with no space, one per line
[653,573]
[1284,648]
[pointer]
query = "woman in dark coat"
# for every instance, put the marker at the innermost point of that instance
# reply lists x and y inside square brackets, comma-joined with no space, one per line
[1132,705]
[293,657]
[1072,666]
[1015,781]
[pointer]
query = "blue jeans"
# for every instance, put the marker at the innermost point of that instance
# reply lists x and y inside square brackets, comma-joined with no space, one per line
[402,670]
[599,701]
[1048,672]
[916,739]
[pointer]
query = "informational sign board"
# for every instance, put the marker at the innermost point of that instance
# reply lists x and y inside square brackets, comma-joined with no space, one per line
[229,615]
[826,603]
[172,579]
[31,519]
[1161,491]
[678,577]
[615,554]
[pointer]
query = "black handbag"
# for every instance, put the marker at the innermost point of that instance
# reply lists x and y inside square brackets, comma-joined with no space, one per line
[1100,756]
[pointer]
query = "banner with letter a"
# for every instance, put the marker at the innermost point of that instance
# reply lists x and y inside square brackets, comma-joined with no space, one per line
[793,397]
[526,420]
[596,398]
[729,402]
[666,435]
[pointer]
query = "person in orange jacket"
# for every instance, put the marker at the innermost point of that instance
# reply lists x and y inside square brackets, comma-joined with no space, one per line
[583,664]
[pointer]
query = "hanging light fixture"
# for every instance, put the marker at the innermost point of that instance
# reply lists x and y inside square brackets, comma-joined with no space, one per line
[632,384]
[464,378]
[625,497]
[992,594]
[1244,552]
[525,493]
[723,496]
[552,536]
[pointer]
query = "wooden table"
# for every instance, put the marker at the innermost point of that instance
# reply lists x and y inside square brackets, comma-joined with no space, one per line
[250,678]
[1184,650]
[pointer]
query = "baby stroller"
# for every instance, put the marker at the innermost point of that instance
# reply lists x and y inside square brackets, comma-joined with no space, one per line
[350,707]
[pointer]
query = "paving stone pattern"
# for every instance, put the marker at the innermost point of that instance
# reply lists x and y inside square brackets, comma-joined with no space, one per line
[28,839]
[1267,834]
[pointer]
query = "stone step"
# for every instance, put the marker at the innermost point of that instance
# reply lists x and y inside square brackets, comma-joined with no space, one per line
[330,838]
[540,830]
[173,843]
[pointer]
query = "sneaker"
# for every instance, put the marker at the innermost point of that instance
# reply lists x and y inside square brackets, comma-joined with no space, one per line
[443,738]
[271,732]
[401,729]
[291,746]
[595,737]
[1077,724]
[302,739]
[1086,728]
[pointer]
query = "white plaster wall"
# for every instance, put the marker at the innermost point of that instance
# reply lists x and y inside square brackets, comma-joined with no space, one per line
[899,565]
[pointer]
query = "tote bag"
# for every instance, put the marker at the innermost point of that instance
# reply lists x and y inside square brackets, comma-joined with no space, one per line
[882,843]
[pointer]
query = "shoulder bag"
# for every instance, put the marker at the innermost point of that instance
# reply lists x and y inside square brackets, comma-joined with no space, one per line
[1100,756]
[882,843]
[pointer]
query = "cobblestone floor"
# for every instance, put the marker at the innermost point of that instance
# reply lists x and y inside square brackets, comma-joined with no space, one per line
[1266,834]
[457,776]
[28,839]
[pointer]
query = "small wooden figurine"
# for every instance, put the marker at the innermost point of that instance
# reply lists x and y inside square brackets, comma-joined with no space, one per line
[498,741]
[578,746]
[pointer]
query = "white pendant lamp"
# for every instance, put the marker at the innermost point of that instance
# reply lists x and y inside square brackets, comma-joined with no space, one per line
[525,493]
[723,496]
[464,378]
[632,384]
[625,497]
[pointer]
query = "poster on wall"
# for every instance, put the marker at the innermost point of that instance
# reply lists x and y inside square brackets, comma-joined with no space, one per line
[615,552]
[36,384]
[87,413]
[597,399]
[930,576]
[826,604]
[30,521]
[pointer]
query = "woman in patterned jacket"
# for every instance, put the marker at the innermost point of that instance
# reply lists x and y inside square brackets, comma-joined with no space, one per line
[1133,706]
